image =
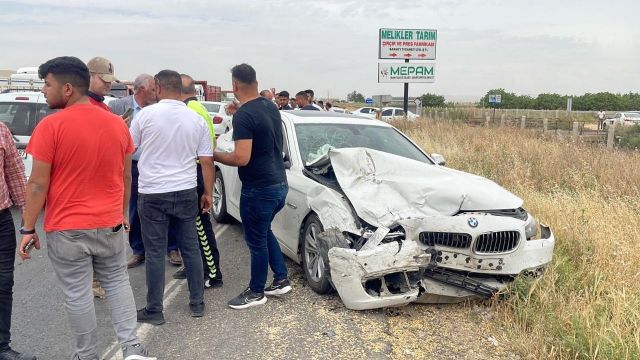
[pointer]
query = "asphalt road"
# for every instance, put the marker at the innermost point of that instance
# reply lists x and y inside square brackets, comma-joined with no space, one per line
[299,325]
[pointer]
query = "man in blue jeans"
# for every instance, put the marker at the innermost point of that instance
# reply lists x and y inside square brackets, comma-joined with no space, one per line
[258,137]
[171,137]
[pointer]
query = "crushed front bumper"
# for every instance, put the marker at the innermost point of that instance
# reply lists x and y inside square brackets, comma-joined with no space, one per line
[388,275]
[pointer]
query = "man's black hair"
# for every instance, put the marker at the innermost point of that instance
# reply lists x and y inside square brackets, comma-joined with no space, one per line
[244,73]
[191,85]
[284,93]
[302,93]
[170,80]
[67,70]
[310,92]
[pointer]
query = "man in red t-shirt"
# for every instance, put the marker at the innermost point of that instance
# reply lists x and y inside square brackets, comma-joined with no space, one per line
[82,175]
[102,77]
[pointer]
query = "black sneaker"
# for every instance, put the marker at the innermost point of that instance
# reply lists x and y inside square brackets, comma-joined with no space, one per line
[10,354]
[180,274]
[247,299]
[197,310]
[136,352]
[153,318]
[212,283]
[278,287]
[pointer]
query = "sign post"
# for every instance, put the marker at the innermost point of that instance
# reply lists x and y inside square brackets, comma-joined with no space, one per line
[493,100]
[407,44]
[418,103]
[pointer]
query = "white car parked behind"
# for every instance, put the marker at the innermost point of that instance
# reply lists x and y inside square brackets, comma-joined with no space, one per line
[21,112]
[221,120]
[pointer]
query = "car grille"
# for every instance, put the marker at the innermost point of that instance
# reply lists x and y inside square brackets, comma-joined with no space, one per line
[496,242]
[454,240]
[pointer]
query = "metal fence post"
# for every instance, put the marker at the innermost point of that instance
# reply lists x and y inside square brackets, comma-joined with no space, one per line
[575,130]
[523,122]
[545,125]
[611,135]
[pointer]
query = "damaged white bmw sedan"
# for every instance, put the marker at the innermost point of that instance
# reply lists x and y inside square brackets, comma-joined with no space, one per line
[372,216]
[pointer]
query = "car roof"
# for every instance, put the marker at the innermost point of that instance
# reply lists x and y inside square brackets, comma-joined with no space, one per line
[329,117]
[33,96]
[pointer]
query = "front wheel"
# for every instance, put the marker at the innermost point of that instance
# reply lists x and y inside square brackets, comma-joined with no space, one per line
[315,270]
[220,200]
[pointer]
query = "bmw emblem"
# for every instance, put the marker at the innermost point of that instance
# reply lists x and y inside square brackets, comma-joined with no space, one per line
[473,222]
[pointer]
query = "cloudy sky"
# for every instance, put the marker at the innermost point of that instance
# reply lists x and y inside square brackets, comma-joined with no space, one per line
[528,47]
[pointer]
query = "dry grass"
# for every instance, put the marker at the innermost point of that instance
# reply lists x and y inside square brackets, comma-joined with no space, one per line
[587,305]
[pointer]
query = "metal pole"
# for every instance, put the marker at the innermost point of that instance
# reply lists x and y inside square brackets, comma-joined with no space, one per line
[406,95]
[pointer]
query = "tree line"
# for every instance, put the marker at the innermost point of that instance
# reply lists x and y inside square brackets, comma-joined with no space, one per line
[548,101]
[588,102]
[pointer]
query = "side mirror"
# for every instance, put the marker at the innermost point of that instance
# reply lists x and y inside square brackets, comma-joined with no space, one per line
[439,159]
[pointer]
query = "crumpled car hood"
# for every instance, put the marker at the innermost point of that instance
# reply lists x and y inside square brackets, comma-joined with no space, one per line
[384,188]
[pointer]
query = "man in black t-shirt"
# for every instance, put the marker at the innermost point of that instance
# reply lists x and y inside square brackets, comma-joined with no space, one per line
[258,138]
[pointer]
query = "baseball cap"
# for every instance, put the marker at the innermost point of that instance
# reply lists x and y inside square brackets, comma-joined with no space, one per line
[103,67]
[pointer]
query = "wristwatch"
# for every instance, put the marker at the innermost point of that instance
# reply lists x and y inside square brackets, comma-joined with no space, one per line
[27,232]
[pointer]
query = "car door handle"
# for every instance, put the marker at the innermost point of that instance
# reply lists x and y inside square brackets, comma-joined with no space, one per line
[293,206]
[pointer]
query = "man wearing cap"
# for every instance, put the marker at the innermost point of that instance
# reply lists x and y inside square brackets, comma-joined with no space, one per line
[101,77]
[101,71]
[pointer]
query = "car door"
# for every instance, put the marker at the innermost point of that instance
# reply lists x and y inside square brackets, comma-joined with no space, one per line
[387,114]
[288,221]
[229,174]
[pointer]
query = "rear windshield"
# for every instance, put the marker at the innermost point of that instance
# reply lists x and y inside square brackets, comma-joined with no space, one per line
[118,90]
[214,108]
[21,117]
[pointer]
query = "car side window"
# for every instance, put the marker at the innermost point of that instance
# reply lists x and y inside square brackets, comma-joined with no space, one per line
[399,112]
[285,145]
[387,112]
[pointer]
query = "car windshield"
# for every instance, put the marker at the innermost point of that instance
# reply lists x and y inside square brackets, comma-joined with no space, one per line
[22,117]
[214,108]
[315,140]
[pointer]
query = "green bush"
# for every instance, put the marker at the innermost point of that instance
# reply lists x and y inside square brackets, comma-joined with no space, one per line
[629,137]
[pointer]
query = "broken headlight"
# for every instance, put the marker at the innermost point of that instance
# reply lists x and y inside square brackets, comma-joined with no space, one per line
[531,227]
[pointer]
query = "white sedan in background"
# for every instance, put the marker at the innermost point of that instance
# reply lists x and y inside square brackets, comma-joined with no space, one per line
[368,213]
[628,118]
[366,111]
[221,120]
[390,113]
[339,110]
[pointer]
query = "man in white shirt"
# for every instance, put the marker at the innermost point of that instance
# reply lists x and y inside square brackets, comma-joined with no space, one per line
[171,137]
[601,116]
